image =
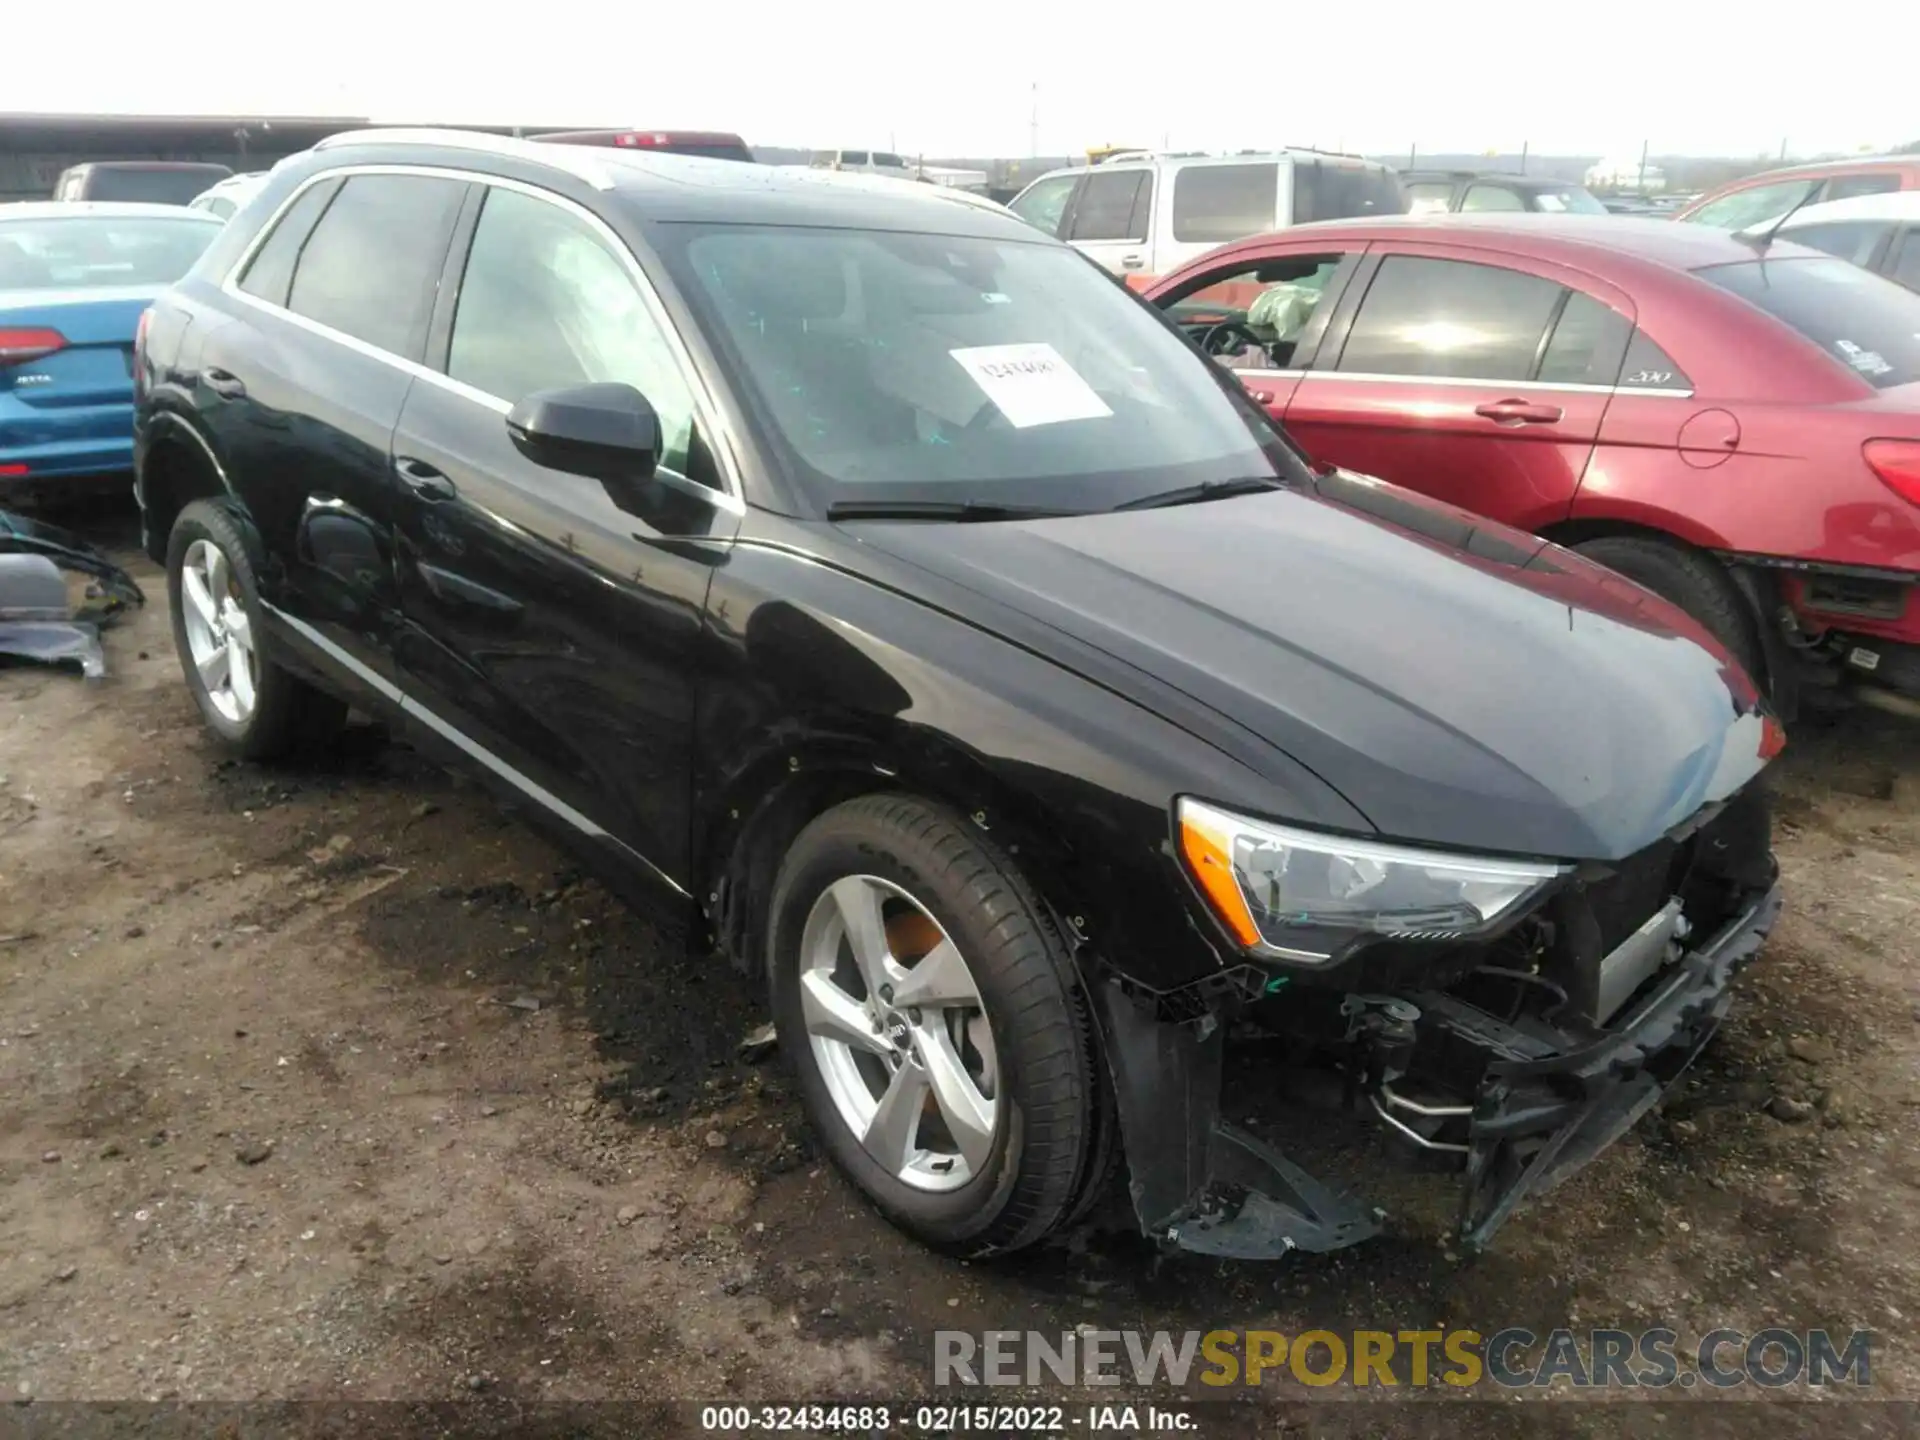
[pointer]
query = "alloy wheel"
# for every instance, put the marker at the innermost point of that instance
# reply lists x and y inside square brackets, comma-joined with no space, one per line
[897,1027]
[219,632]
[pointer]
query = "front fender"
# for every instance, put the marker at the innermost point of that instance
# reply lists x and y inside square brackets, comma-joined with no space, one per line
[818,671]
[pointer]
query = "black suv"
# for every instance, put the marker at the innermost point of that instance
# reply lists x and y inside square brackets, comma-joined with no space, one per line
[873,574]
[1441,191]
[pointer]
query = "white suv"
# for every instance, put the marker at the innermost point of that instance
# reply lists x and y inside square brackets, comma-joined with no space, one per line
[1142,214]
[870,162]
[226,197]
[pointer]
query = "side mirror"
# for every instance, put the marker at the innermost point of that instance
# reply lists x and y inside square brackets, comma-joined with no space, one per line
[605,431]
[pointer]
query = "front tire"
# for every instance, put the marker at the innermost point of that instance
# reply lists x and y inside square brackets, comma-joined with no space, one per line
[941,1038]
[251,704]
[1697,583]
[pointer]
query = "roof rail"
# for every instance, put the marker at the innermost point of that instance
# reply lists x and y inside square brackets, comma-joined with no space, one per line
[580,164]
[1316,150]
[1131,155]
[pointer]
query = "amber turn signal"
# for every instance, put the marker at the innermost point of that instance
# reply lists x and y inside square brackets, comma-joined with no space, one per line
[1210,862]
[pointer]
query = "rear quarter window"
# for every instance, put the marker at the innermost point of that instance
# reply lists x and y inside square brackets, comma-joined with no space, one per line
[1648,367]
[1862,321]
[1851,240]
[1213,204]
[1330,190]
[270,271]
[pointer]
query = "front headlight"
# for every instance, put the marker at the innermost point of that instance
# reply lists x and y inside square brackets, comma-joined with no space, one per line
[1305,896]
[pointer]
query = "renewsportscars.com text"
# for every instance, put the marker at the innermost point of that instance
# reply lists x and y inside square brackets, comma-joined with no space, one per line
[1513,1358]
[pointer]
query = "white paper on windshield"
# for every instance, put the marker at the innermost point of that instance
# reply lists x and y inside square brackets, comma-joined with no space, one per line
[1031,384]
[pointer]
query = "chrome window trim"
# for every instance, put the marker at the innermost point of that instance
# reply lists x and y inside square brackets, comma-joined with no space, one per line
[1498,384]
[731,499]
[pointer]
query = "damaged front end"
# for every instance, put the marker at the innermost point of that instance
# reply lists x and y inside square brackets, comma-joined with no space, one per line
[42,618]
[1519,1057]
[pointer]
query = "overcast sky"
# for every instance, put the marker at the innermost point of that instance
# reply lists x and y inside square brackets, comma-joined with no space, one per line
[1688,76]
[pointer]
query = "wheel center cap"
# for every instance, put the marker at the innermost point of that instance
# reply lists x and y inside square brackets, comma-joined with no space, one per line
[898,1033]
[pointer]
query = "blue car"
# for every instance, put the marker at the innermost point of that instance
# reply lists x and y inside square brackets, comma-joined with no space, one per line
[74,281]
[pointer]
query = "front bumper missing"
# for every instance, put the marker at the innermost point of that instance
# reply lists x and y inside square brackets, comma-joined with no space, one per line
[1538,1120]
[1196,1181]
[1541,1113]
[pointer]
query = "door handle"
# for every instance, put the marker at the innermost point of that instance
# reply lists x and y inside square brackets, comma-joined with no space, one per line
[225,383]
[1131,262]
[422,479]
[1519,412]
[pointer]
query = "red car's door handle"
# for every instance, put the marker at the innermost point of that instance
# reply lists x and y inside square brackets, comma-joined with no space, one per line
[1519,412]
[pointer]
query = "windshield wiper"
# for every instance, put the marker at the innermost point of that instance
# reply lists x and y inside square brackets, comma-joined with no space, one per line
[940,510]
[1205,490]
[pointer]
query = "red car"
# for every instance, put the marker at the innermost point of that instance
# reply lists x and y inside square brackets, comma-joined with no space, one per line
[1757,198]
[709,144]
[1733,424]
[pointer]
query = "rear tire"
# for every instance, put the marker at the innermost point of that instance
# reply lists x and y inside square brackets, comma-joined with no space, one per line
[1697,583]
[988,1166]
[252,705]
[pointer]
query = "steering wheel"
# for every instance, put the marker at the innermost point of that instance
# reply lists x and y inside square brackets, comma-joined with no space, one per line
[1218,339]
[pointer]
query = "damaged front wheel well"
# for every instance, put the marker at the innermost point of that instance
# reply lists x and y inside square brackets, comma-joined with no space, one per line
[752,844]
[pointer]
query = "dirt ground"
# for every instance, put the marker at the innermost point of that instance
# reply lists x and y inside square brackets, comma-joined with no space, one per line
[339,1082]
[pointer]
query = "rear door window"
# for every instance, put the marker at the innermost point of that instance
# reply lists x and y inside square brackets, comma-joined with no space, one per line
[1429,197]
[1863,321]
[1450,319]
[1216,203]
[372,264]
[1106,206]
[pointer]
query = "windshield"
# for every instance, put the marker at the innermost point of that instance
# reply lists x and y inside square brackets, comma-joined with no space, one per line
[151,187]
[1868,324]
[958,369]
[97,251]
[1572,200]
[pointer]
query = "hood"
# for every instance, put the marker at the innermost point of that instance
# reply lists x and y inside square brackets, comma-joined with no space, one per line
[1459,683]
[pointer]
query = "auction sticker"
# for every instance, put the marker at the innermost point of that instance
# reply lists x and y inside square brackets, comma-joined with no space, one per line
[1031,384]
